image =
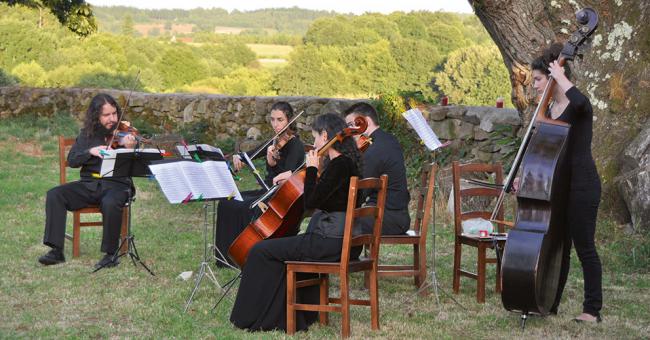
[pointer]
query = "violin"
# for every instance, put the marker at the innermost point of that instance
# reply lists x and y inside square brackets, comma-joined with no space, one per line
[280,142]
[285,207]
[124,129]
[363,142]
[532,257]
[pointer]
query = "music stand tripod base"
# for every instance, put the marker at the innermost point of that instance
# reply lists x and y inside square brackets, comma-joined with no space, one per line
[132,251]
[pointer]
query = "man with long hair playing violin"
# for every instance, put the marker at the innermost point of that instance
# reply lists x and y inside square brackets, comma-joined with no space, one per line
[261,299]
[281,160]
[110,194]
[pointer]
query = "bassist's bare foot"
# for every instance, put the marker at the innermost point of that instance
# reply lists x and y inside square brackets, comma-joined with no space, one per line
[586,317]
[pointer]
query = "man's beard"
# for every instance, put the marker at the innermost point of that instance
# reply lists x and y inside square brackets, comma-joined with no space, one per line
[101,130]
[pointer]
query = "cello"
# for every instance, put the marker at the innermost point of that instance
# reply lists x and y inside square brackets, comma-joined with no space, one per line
[531,263]
[285,207]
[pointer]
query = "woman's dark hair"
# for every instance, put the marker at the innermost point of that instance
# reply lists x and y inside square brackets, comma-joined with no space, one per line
[91,122]
[549,55]
[365,110]
[333,124]
[287,110]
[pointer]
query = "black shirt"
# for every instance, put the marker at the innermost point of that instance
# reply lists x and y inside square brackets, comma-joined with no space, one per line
[79,156]
[384,156]
[292,156]
[581,163]
[330,191]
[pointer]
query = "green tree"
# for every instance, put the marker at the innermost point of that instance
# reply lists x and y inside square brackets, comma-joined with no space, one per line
[314,70]
[76,15]
[417,60]
[474,76]
[373,68]
[30,74]
[179,66]
[128,28]
[7,79]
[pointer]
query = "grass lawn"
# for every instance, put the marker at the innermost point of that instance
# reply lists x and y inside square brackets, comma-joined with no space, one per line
[66,301]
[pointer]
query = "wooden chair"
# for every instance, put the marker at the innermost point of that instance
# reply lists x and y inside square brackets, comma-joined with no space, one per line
[64,143]
[417,237]
[344,267]
[473,240]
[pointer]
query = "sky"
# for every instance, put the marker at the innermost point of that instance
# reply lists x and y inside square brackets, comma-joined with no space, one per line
[342,6]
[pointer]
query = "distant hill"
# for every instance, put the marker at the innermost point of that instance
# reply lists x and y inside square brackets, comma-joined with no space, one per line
[281,20]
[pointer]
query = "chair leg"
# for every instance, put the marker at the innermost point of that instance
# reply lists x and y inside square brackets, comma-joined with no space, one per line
[498,280]
[416,265]
[76,233]
[291,299]
[323,317]
[480,273]
[124,230]
[345,307]
[458,247]
[422,253]
[374,300]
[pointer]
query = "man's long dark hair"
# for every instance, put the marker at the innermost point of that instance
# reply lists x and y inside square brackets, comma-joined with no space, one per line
[333,124]
[91,125]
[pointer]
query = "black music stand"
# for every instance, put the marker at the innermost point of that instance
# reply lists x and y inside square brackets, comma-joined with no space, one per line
[129,164]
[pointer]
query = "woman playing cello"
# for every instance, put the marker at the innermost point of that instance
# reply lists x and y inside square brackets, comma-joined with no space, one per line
[261,299]
[573,107]
[233,216]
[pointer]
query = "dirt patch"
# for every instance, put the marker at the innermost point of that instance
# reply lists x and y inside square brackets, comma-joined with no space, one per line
[32,149]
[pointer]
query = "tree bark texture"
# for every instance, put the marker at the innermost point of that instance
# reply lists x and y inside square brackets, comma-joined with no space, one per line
[613,71]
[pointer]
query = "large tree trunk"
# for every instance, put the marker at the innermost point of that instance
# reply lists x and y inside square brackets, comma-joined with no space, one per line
[613,72]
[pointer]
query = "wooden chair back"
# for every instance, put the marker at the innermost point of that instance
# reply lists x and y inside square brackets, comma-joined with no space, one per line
[463,169]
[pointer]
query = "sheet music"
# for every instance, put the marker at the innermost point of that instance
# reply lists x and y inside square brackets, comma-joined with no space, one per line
[422,128]
[108,161]
[221,179]
[172,181]
[207,180]
[185,152]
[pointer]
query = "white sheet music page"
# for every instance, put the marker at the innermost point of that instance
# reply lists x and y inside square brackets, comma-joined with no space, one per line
[198,180]
[422,128]
[184,152]
[171,180]
[221,179]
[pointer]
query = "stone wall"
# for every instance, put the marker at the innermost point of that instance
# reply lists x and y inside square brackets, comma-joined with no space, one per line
[245,117]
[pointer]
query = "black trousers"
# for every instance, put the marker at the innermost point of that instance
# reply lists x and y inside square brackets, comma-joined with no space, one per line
[261,302]
[396,222]
[109,195]
[232,217]
[583,208]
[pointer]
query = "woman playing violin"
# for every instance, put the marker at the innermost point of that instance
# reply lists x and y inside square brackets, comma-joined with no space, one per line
[261,299]
[282,158]
[573,107]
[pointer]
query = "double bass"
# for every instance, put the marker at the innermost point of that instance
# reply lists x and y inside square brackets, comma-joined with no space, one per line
[532,258]
[285,208]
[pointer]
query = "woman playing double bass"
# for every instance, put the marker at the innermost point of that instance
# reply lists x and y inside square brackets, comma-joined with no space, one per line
[233,216]
[571,106]
[261,299]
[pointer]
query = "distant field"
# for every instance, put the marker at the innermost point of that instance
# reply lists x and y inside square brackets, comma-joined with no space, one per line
[269,51]
[272,63]
[237,30]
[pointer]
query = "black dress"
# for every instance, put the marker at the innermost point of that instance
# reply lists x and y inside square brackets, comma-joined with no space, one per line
[261,299]
[233,216]
[384,156]
[584,197]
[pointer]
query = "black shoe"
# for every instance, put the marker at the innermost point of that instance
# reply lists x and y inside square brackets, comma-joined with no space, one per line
[54,256]
[107,262]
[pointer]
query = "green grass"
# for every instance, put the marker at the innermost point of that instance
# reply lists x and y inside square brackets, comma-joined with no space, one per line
[66,301]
